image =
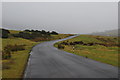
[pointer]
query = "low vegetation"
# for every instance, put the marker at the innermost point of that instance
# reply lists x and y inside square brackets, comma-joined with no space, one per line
[16,46]
[100,48]
[15,54]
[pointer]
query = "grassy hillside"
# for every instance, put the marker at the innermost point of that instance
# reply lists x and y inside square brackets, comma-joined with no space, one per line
[14,67]
[14,31]
[99,48]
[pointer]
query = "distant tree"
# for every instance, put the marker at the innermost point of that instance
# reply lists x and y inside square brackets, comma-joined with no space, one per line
[25,35]
[4,33]
[27,30]
[48,33]
[36,30]
[32,34]
[54,33]
[32,30]
[43,32]
[15,35]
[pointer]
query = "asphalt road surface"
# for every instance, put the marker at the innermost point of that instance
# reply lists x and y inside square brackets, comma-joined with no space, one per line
[47,61]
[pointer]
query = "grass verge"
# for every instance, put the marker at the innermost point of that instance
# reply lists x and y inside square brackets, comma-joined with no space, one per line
[103,48]
[14,67]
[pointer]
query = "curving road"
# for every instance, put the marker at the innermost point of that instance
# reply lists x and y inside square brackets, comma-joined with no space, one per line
[47,61]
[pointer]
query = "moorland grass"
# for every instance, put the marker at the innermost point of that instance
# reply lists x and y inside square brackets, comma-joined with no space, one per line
[13,31]
[18,60]
[14,67]
[100,53]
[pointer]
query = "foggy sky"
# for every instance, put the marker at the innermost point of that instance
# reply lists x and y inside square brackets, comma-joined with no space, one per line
[60,0]
[0,14]
[64,17]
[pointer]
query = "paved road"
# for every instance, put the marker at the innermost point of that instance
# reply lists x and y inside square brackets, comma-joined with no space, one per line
[47,61]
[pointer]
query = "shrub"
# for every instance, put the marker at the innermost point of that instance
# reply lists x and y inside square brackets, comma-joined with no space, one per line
[54,33]
[6,54]
[65,43]
[60,46]
[5,66]
[27,34]
[4,33]
[15,47]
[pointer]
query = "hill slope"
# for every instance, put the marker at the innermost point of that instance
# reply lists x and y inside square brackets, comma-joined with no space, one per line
[107,33]
[99,48]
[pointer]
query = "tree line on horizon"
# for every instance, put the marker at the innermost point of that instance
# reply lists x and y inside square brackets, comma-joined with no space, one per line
[34,35]
[27,34]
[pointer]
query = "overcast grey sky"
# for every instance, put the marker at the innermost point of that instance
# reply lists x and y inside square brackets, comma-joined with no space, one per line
[64,17]
[0,14]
